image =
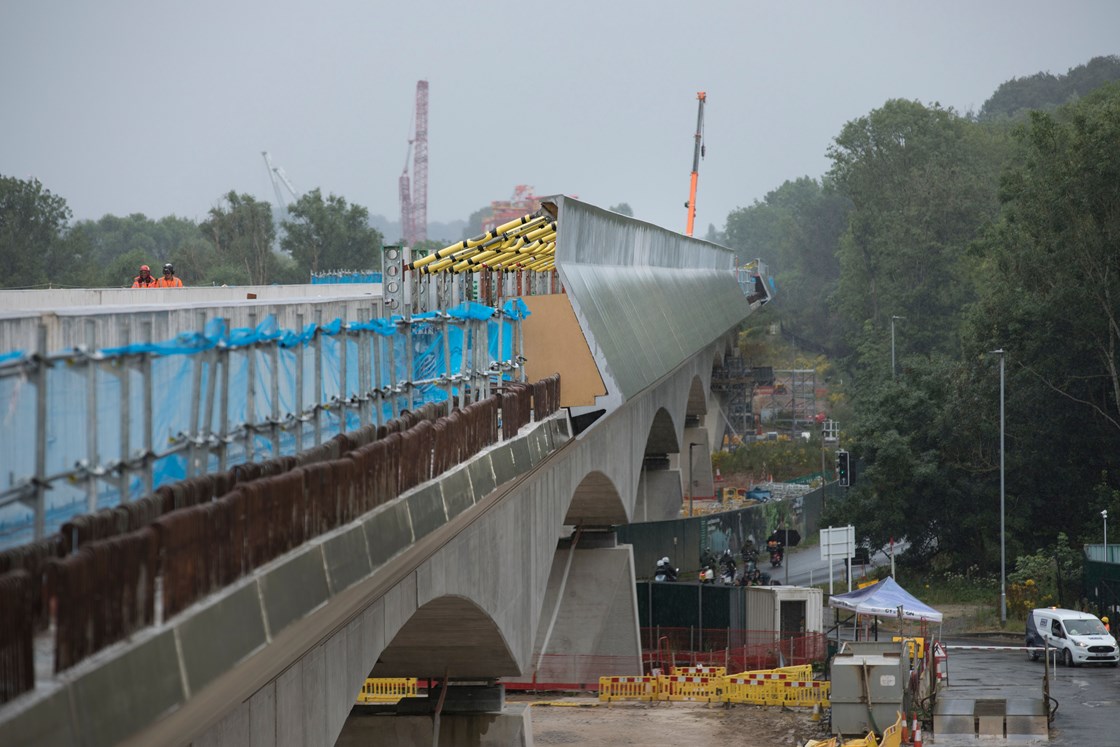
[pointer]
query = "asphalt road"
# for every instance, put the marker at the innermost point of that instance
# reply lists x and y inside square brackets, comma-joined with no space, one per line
[805,568]
[1087,696]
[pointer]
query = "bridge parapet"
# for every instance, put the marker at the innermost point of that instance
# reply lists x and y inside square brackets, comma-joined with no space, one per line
[192,650]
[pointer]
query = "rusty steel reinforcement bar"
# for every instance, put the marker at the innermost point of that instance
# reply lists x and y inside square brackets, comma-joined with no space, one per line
[202,534]
[17,666]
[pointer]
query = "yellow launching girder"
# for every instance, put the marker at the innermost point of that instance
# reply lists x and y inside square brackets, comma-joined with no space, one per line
[527,243]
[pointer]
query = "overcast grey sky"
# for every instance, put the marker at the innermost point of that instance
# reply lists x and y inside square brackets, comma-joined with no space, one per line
[160,108]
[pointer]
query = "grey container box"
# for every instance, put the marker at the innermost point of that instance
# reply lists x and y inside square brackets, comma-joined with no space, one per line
[862,677]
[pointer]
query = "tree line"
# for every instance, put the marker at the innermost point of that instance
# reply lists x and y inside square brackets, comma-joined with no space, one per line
[972,233]
[236,243]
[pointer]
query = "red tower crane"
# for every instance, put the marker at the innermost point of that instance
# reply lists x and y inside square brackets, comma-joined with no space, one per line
[414,195]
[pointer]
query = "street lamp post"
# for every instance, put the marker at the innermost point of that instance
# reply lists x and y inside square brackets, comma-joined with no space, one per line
[893,318]
[691,466]
[1104,515]
[1002,489]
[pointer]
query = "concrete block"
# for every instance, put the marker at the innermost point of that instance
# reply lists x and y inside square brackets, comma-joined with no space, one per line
[953,716]
[294,588]
[425,506]
[347,559]
[125,694]
[1027,717]
[482,476]
[544,437]
[537,448]
[502,460]
[388,531]
[46,721]
[220,635]
[457,493]
[522,459]
[560,432]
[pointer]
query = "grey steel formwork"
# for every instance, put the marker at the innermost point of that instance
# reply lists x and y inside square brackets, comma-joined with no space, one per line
[647,298]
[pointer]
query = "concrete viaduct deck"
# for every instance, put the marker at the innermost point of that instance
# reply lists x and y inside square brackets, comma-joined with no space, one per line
[468,577]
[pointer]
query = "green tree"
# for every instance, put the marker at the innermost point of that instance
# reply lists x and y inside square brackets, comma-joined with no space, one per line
[144,241]
[796,229]
[329,234]
[32,224]
[241,231]
[1044,91]
[1052,300]
[922,181]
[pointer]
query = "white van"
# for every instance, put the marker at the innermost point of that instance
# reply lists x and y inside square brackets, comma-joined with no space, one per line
[1079,637]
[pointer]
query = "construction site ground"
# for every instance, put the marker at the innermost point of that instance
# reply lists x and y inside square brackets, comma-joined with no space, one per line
[582,720]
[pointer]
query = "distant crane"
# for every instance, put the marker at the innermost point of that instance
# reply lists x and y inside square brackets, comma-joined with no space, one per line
[414,192]
[696,156]
[278,177]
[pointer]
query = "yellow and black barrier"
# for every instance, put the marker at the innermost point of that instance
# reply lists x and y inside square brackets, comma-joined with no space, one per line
[793,687]
[387,689]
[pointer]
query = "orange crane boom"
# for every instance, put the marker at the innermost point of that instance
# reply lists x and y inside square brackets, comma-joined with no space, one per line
[691,204]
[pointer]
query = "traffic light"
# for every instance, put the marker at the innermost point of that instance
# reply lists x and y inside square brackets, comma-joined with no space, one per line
[842,469]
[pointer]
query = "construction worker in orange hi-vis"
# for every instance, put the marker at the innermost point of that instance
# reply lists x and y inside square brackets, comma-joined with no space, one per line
[1107,628]
[144,279]
[169,280]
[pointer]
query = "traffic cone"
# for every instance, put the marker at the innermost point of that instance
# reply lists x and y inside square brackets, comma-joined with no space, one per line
[917,733]
[906,729]
[816,715]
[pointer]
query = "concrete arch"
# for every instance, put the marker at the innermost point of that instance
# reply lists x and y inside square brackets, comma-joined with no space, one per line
[452,635]
[662,438]
[697,400]
[596,501]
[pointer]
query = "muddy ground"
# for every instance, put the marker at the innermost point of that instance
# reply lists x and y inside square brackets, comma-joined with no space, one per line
[583,721]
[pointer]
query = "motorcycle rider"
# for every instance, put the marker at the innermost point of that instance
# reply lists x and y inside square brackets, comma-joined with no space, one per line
[665,570]
[777,553]
[727,567]
[749,552]
[707,565]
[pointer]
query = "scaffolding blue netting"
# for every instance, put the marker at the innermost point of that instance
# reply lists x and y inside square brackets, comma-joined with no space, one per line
[81,429]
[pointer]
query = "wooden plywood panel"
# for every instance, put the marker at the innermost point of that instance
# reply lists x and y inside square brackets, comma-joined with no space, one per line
[555,343]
